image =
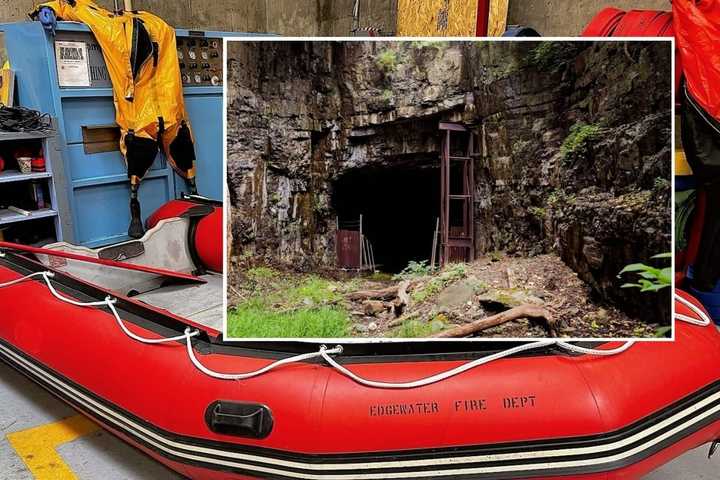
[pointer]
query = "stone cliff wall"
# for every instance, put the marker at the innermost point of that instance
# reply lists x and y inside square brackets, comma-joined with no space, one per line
[576,143]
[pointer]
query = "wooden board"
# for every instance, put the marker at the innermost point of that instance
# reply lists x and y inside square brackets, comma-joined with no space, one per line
[433,18]
[100,138]
[497,19]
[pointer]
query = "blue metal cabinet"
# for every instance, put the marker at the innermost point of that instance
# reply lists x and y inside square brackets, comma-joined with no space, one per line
[97,184]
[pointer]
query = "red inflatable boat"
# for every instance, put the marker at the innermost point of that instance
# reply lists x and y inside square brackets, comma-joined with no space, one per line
[216,410]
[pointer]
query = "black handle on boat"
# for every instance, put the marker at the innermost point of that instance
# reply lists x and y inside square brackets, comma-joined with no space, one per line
[250,420]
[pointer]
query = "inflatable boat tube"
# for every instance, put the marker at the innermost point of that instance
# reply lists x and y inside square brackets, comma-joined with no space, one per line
[206,233]
[604,23]
[483,410]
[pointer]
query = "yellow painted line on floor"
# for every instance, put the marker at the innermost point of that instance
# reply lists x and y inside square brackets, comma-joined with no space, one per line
[37,446]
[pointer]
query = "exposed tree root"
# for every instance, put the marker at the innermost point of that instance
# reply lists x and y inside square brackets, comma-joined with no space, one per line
[522,311]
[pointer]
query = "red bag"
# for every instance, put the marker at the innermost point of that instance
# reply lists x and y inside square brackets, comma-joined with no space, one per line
[697,33]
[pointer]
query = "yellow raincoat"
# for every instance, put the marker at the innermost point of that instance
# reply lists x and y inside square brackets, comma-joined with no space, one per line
[141,56]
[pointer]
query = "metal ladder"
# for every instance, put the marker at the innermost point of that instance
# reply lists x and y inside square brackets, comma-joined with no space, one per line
[457,178]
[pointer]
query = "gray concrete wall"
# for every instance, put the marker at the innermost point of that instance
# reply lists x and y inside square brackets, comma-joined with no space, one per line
[334,17]
[287,17]
[568,17]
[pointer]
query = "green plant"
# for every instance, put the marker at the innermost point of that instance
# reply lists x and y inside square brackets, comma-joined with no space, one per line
[418,329]
[438,44]
[387,95]
[253,319]
[380,277]
[451,273]
[651,279]
[559,198]
[661,183]
[663,332]
[414,270]
[548,56]
[313,290]
[387,60]
[537,212]
[577,143]
[261,273]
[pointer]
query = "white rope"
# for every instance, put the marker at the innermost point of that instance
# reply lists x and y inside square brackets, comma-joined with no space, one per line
[437,377]
[703,321]
[595,351]
[244,376]
[110,303]
[26,277]
[326,354]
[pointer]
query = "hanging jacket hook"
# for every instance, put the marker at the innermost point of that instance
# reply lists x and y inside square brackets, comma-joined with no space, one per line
[47,18]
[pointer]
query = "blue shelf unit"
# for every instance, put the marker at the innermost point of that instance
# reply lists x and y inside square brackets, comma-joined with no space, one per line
[97,185]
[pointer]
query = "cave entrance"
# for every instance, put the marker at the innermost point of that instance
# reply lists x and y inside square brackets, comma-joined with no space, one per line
[399,206]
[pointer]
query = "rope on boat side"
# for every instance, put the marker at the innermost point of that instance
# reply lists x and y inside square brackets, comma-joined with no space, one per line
[704,320]
[108,302]
[326,353]
[244,376]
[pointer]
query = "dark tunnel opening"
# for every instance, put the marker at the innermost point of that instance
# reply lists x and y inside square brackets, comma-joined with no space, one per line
[400,206]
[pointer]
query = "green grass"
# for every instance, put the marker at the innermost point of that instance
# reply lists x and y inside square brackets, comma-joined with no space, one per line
[387,60]
[451,273]
[414,270]
[577,143]
[316,290]
[418,329]
[261,273]
[289,309]
[253,319]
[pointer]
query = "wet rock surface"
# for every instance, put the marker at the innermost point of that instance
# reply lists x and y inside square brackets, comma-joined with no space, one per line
[576,146]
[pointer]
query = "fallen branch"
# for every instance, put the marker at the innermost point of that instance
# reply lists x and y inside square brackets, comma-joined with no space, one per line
[522,311]
[382,294]
[402,300]
[400,320]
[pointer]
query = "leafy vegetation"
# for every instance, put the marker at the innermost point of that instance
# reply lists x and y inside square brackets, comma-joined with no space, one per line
[548,56]
[558,198]
[451,273]
[651,279]
[577,143]
[253,319]
[261,273]
[418,329]
[414,270]
[281,306]
[438,44]
[387,60]
[537,212]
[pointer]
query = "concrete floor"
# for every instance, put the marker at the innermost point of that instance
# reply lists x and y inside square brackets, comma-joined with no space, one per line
[95,455]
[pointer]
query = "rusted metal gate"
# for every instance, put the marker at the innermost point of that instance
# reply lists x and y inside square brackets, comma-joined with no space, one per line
[353,249]
[457,239]
[347,244]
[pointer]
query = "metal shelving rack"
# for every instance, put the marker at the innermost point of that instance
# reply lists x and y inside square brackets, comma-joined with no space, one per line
[53,174]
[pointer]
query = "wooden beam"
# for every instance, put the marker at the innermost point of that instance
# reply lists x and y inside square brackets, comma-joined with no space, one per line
[497,18]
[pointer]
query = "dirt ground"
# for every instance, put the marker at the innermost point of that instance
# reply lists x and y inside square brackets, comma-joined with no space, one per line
[458,294]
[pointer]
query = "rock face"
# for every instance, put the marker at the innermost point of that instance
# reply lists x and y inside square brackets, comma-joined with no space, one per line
[575,146]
